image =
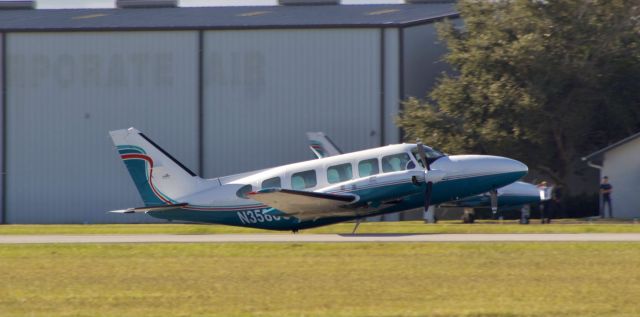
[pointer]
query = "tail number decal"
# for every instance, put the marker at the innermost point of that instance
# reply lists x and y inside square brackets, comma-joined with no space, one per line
[256,216]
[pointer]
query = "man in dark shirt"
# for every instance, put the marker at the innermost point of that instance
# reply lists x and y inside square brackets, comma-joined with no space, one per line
[605,191]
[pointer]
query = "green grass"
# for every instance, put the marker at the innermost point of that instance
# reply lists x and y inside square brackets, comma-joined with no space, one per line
[413,279]
[562,226]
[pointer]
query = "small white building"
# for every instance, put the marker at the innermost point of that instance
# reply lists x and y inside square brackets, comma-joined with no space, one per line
[621,163]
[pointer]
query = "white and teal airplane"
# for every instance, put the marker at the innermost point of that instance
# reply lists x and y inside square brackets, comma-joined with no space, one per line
[308,194]
[514,195]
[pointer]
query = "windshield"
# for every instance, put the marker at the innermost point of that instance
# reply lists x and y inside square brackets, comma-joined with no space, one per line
[431,154]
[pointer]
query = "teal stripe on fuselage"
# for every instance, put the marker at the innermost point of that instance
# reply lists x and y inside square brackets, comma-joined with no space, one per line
[412,196]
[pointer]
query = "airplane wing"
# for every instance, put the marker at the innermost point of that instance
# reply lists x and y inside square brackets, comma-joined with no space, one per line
[306,205]
[147,209]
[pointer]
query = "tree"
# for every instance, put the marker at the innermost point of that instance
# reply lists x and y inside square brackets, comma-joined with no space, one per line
[541,81]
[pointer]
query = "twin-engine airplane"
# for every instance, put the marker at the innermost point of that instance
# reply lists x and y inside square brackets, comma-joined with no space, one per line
[513,195]
[313,193]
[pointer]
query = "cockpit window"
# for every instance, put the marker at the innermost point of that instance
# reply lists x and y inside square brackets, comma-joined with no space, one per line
[396,162]
[243,191]
[430,153]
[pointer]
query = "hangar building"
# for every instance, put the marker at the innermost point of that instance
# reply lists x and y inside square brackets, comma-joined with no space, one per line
[619,161]
[223,89]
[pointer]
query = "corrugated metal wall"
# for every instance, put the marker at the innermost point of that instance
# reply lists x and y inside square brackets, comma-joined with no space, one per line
[261,91]
[264,89]
[391,84]
[66,90]
[2,127]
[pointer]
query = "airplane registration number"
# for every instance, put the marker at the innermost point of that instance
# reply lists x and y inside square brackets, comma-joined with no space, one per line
[256,216]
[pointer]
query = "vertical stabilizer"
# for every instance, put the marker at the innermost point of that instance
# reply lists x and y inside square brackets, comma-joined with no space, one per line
[321,145]
[159,177]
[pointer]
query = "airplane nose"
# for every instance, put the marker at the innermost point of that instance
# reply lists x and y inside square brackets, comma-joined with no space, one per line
[510,170]
[474,174]
[503,169]
[506,165]
[488,164]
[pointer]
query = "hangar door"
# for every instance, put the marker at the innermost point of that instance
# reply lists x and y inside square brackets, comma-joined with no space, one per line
[263,89]
[65,92]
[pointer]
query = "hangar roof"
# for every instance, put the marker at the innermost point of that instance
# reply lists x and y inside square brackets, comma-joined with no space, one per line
[597,154]
[245,17]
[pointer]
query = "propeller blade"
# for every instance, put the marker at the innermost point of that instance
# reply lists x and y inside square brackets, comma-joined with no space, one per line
[423,155]
[494,200]
[427,196]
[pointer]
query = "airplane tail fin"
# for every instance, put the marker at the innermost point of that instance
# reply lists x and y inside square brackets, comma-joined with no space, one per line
[321,145]
[159,178]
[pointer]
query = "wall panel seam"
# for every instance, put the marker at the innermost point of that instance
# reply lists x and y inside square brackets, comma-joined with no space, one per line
[401,76]
[382,88]
[200,111]
[3,128]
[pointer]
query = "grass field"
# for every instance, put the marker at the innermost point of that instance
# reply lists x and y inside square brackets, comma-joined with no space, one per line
[414,279]
[560,226]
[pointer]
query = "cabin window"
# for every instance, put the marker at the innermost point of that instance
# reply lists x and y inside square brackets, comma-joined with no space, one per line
[273,182]
[368,168]
[396,162]
[339,173]
[302,180]
[243,191]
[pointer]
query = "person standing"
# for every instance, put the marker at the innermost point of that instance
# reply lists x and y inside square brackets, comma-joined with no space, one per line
[605,192]
[545,199]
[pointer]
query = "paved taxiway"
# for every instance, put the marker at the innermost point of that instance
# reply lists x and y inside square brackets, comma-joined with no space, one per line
[279,237]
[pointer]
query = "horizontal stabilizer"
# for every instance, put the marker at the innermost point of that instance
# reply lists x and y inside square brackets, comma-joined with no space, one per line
[147,209]
[306,205]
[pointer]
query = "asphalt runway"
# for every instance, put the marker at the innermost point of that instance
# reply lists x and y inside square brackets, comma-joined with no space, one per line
[310,238]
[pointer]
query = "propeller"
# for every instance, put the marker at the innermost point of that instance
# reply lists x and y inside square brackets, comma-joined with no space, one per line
[423,155]
[429,185]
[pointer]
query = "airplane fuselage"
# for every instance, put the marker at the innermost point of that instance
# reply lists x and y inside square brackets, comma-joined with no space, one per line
[385,180]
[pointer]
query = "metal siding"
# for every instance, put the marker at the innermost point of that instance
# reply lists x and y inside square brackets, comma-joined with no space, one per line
[391,78]
[423,60]
[2,127]
[66,90]
[623,171]
[391,94]
[264,89]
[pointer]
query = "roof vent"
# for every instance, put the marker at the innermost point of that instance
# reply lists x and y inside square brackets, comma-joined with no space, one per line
[17,4]
[307,2]
[132,4]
